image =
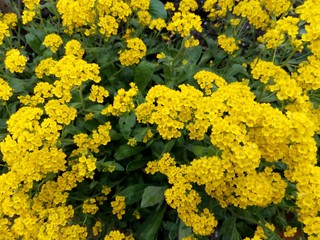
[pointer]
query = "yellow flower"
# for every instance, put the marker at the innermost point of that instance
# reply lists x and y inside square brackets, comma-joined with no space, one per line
[106,190]
[27,16]
[52,41]
[73,47]
[60,112]
[97,228]
[31,4]
[191,42]
[217,8]
[108,25]
[235,21]
[148,136]
[14,61]
[140,4]
[111,168]
[144,18]
[88,116]
[161,55]
[4,31]
[290,231]
[118,206]
[115,235]
[206,79]
[136,214]
[45,67]
[89,206]
[158,24]
[98,93]
[5,90]
[10,19]
[132,142]
[254,12]
[137,50]
[169,6]
[187,5]
[123,101]
[184,22]
[228,44]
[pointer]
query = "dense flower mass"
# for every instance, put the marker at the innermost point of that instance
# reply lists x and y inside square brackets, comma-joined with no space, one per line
[7,21]
[6,90]
[52,41]
[227,43]
[136,50]
[15,61]
[139,119]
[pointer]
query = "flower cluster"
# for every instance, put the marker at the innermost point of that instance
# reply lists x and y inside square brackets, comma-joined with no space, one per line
[245,131]
[135,119]
[182,197]
[98,137]
[119,206]
[227,43]
[5,90]
[98,93]
[30,9]
[7,21]
[52,41]
[89,206]
[277,79]
[15,61]
[275,36]
[206,80]
[123,101]
[136,50]
[79,15]
[183,22]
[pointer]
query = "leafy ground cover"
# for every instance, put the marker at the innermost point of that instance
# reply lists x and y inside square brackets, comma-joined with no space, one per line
[142,119]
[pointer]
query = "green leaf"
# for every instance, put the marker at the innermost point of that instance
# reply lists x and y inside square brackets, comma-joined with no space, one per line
[206,57]
[66,142]
[97,108]
[93,184]
[139,133]
[126,123]
[114,135]
[172,228]
[152,195]
[2,136]
[143,73]
[267,97]
[229,230]
[51,7]
[70,129]
[136,164]
[101,165]
[157,148]
[125,151]
[184,231]
[91,125]
[34,42]
[156,9]
[21,85]
[169,145]
[199,151]
[235,69]
[133,193]
[193,54]
[3,123]
[149,229]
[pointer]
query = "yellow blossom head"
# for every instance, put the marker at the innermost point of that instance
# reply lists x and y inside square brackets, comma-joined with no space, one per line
[15,61]
[52,41]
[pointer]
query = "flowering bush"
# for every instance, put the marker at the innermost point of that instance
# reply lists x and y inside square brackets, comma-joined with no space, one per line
[142,119]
